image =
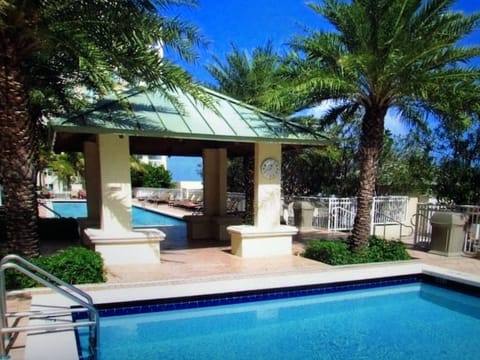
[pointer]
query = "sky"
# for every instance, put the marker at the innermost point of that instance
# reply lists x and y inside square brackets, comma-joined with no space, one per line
[252,23]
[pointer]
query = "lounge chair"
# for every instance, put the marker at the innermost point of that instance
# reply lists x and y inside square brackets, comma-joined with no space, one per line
[192,202]
[162,198]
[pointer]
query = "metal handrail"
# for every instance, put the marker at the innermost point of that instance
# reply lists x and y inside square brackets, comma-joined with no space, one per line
[50,209]
[395,221]
[51,281]
[53,327]
[334,213]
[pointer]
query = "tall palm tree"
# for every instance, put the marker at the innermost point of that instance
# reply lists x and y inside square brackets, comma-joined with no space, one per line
[54,52]
[381,55]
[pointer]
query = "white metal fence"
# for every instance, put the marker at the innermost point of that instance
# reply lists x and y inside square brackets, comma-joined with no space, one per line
[330,213]
[338,214]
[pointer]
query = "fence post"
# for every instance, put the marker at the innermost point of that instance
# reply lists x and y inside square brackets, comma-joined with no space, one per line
[372,217]
[329,215]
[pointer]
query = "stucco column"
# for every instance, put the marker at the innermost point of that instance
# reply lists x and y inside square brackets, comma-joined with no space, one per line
[267,196]
[115,183]
[92,180]
[215,182]
[215,220]
[267,237]
[109,190]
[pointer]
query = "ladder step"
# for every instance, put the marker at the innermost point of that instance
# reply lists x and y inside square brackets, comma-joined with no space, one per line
[35,313]
[52,327]
[48,319]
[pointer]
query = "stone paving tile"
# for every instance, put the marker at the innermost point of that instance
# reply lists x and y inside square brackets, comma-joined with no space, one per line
[18,304]
[467,264]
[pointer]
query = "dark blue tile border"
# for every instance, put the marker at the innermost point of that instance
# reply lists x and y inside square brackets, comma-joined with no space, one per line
[452,285]
[178,303]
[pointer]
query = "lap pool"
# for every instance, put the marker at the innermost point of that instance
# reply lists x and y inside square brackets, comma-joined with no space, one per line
[141,217]
[405,318]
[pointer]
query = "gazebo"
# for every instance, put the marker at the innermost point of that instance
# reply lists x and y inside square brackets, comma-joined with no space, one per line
[145,122]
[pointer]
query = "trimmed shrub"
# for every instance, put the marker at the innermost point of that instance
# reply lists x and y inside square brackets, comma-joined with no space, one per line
[383,250]
[74,265]
[335,252]
[328,251]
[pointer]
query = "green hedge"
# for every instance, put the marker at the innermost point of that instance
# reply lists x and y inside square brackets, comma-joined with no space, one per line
[329,252]
[337,252]
[75,265]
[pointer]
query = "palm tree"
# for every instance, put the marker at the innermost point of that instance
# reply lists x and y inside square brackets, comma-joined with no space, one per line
[67,167]
[458,170]
[52,53]
[382,54]
[245,77]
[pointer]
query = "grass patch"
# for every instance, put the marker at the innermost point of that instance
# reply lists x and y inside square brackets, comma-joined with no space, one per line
[337,252]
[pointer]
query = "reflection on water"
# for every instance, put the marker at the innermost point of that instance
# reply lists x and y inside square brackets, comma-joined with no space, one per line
[175,237]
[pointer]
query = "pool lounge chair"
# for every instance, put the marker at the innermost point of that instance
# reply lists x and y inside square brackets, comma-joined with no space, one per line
[194,201]
[162,198]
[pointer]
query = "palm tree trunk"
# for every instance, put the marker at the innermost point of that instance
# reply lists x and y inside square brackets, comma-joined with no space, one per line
[248,166]
[18,144]
[371,144]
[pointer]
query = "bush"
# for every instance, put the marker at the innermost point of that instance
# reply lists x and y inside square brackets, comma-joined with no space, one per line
[335,252]
[382,250]
[151,176]
[75,265]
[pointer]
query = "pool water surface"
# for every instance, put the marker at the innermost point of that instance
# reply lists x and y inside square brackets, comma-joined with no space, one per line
[140,217]
[408,321]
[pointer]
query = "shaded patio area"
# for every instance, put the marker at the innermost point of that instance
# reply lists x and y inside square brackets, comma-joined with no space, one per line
[186,259]
[205,261]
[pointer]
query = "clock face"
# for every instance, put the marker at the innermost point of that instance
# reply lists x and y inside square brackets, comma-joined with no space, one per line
[270,168]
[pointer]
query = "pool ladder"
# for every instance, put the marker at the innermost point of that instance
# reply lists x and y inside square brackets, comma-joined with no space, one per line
[52,320]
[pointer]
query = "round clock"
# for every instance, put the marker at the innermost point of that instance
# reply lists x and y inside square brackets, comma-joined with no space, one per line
[270,168]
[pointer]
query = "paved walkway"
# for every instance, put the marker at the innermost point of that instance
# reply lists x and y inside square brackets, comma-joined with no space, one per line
[207,259]
[187,260]
[466,264]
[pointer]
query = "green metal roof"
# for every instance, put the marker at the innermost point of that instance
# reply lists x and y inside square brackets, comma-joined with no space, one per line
[152,115]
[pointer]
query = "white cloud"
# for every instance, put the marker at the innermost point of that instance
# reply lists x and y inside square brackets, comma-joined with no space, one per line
[394,123]
[393,119]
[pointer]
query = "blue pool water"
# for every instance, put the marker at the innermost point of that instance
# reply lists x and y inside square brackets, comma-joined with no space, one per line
[140,216]
[408,321]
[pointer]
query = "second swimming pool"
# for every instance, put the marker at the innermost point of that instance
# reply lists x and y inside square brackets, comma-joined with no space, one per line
[141,217]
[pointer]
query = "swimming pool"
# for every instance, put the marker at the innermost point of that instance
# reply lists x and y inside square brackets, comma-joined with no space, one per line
[141,217]
[410,320]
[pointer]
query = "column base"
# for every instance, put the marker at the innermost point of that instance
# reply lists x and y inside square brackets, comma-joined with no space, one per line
[132,247]
[251,242]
